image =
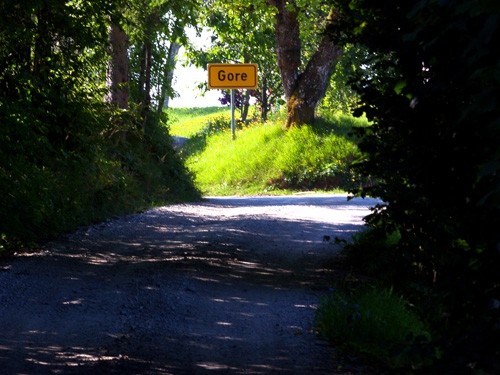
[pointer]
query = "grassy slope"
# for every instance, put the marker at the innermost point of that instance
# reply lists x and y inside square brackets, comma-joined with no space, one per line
[264,158]
[186,122]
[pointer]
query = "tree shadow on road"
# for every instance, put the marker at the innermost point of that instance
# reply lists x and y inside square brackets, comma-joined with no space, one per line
[173,292]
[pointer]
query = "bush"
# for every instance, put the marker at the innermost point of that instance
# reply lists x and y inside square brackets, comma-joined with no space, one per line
[431,85]
[373,252]
[66,157]
[114,170]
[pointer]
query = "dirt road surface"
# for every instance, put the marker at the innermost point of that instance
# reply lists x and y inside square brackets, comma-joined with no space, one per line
[228,285]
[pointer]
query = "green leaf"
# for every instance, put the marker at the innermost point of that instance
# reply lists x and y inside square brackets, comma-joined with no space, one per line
[398,88]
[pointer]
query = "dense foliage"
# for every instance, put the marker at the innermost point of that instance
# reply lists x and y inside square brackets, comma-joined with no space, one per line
[431,85]
[242,32]
[66,157]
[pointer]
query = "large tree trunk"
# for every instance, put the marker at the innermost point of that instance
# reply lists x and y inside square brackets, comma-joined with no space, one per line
[303,91]
[288,46]
[312,84]
[117,74]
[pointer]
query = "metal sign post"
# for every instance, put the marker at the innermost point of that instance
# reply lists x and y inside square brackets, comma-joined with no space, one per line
[232,76]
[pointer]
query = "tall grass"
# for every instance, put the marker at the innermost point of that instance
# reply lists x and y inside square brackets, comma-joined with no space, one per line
[377,324]
[241,166]
[265,158]
[186,122]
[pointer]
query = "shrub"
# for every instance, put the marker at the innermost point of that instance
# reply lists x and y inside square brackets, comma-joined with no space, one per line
[373,252]
[216,124]
[114,170]
[431,85]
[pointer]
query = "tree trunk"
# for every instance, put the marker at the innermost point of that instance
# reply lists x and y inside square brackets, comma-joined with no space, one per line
[145,81]
[311,85]
[264,100]
[245,106]
[148,59]
[117,74]
[245,95]
[303,91]
[168,76]
[288,46]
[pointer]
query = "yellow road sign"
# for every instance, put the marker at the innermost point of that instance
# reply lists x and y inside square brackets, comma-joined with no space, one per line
[232,76]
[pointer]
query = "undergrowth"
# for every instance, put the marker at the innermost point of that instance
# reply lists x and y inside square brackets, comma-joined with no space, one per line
[377,324]
[116,169]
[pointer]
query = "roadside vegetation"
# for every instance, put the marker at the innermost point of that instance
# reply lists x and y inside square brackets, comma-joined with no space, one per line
[267,159]
[56,190]
[378,325]
[432,152]
[83,136]
[187,122]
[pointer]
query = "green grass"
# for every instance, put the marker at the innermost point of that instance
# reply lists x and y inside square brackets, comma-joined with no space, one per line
[377,324]
[265,158]
[228,167]
[186,122]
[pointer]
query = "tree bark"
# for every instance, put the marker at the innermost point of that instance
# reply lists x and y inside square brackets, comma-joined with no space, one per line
[245,96]
[264,100]
[148,60]
[245,106]
[145,81]
[117,72]
[288,46]
[303,91]
[312,84]
[168,76]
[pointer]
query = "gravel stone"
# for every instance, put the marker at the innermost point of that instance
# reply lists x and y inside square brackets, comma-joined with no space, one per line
[227,285]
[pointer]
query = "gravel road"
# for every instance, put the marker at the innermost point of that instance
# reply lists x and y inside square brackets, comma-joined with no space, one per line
[228,285]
